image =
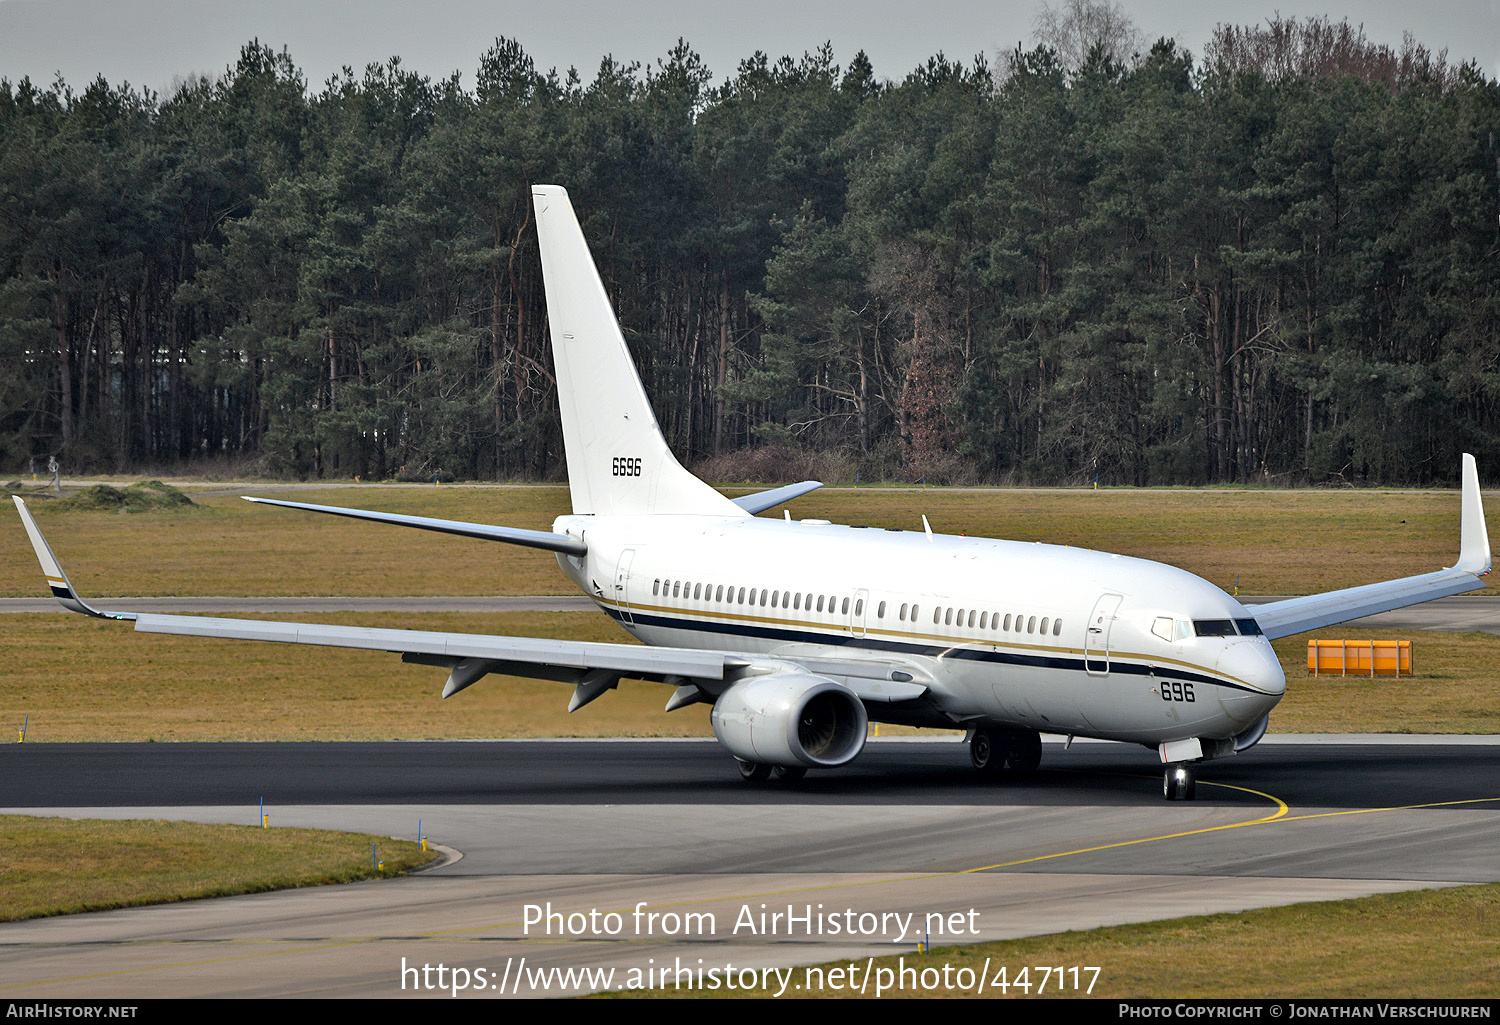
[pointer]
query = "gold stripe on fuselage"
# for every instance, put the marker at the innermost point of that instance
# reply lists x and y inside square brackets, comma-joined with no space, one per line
[952,642]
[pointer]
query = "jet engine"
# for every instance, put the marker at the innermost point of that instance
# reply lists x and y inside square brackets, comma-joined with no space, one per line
[790,719]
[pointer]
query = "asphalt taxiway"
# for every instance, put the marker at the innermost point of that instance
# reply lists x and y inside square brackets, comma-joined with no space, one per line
[613,825]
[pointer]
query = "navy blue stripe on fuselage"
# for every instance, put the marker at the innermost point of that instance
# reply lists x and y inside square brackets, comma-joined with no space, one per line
[867,643]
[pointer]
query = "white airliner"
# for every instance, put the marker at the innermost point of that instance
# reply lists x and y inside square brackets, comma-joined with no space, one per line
[798,633]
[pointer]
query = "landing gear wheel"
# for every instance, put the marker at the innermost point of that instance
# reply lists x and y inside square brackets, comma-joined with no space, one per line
[1025,751]
[1178,783]
[987,751]
[753,772]
[788,773]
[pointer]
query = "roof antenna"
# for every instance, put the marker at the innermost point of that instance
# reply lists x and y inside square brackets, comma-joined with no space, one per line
[927,526]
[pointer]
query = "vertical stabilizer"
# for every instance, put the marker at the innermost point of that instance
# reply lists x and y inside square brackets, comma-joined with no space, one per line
[618,461]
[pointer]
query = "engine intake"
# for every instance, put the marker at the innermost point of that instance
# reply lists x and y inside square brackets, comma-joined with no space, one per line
[791,719]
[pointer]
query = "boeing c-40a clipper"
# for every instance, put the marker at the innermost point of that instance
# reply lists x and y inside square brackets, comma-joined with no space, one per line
[800,633]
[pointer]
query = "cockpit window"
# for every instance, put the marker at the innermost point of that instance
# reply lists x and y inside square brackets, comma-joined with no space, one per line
[1226,627]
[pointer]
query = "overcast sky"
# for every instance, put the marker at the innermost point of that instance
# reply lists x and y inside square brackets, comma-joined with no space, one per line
[152,43]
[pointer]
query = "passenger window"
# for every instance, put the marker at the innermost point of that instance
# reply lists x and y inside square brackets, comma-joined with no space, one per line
[719,593]
[1057,628]
[846,607]
[1007,621]
[1044,624]
[880,611]
[984,620]
[971,619]
[914,613]
[656,587]
[820,603]
[903,612]
[948,617]
[859,608]
[1031,625]
[697,592]
[677,589]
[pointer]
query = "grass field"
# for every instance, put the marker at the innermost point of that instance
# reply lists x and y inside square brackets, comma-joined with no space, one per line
[88,680]
[1274,542]
[1425,943]
[58,866]
[94,680]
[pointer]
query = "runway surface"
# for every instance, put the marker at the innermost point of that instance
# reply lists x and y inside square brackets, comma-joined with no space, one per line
[1463,613]
[606,825]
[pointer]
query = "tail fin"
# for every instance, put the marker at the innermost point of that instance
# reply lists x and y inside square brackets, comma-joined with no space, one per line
[618,461]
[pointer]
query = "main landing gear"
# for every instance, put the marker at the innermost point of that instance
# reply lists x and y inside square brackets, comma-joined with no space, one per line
[1179,783]
[995,750]
[759,772]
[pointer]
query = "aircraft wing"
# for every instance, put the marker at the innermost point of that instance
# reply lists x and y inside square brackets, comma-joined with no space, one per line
[591,666]
[511,535]
[1294,615]
[468,656]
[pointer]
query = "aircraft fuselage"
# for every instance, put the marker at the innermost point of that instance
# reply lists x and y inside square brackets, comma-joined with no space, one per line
[1002,633]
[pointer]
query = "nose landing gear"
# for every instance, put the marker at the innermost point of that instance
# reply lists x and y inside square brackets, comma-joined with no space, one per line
[1179,783]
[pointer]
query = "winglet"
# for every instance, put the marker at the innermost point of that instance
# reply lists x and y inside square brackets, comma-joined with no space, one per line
[1474,553]
[57,580]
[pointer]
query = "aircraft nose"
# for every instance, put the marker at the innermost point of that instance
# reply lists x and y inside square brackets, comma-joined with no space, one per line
[1253,662]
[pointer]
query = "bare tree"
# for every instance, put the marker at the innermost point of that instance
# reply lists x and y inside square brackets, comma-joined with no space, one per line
[1075,28]
[1318,47]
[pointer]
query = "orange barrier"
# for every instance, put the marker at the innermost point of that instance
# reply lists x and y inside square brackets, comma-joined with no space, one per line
[1360,658]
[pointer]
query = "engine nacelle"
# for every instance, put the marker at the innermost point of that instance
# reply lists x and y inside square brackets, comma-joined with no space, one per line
[791,719]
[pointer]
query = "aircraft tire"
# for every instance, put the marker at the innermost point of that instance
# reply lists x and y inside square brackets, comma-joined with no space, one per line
[788,773]
[753,772]
[1179,783]
[987,751]
[1025,751]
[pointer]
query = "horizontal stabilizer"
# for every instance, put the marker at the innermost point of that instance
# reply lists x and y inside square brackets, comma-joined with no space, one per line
[763,500]
[510,535]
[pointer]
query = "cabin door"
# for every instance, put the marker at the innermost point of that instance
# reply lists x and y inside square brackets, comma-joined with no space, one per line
[1096,639]
[857,613]
[622,585]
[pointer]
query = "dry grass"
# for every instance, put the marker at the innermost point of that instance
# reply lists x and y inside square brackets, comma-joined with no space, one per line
[83,680]
[1456,689]
[1421,944]
[1275,542]
[59,866]
[95,680]
[1293,542]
